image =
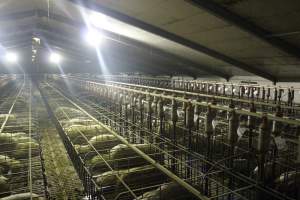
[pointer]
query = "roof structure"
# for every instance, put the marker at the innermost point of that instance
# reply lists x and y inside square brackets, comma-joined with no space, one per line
[222,38]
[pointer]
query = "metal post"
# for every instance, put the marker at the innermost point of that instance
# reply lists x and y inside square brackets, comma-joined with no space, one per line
[232,106]
[298,157]
[133,118]
[208,129]
[197,127]
[275,95]
[197,112]
[174,118]
[232,134]
[252,93]
[292,98]
[281,91]
[263,147]
[268,94]
[126,115]
[184,106]
[190,125]
[155,111]
[161,116]
[251,126]
[121,99]
[149,112]
[141,110]
[263,96]
[232,138]
[258,93]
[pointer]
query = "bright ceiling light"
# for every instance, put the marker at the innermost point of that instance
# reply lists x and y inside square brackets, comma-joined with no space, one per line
[11,57]
[98,20]
[55,58]
[94,37]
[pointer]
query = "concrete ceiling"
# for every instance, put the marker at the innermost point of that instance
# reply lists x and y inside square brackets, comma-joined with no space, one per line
[167,36]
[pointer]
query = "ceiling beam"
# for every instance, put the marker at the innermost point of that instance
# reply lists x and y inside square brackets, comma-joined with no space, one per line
[173,37]
[246,25]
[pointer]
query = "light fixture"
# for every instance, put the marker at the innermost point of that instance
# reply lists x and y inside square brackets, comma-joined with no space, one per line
[98,20]
[36,40]
[55,58]
[11,57]
[94,37]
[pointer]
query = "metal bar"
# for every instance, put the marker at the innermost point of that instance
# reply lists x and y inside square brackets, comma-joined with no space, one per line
[29,133]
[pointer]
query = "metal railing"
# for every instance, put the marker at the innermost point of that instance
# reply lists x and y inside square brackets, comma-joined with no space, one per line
[124,102]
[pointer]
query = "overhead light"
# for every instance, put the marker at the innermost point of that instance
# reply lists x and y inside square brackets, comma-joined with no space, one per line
[94,37]
[98,20]
[55,58]
[36,40]
[11,57]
